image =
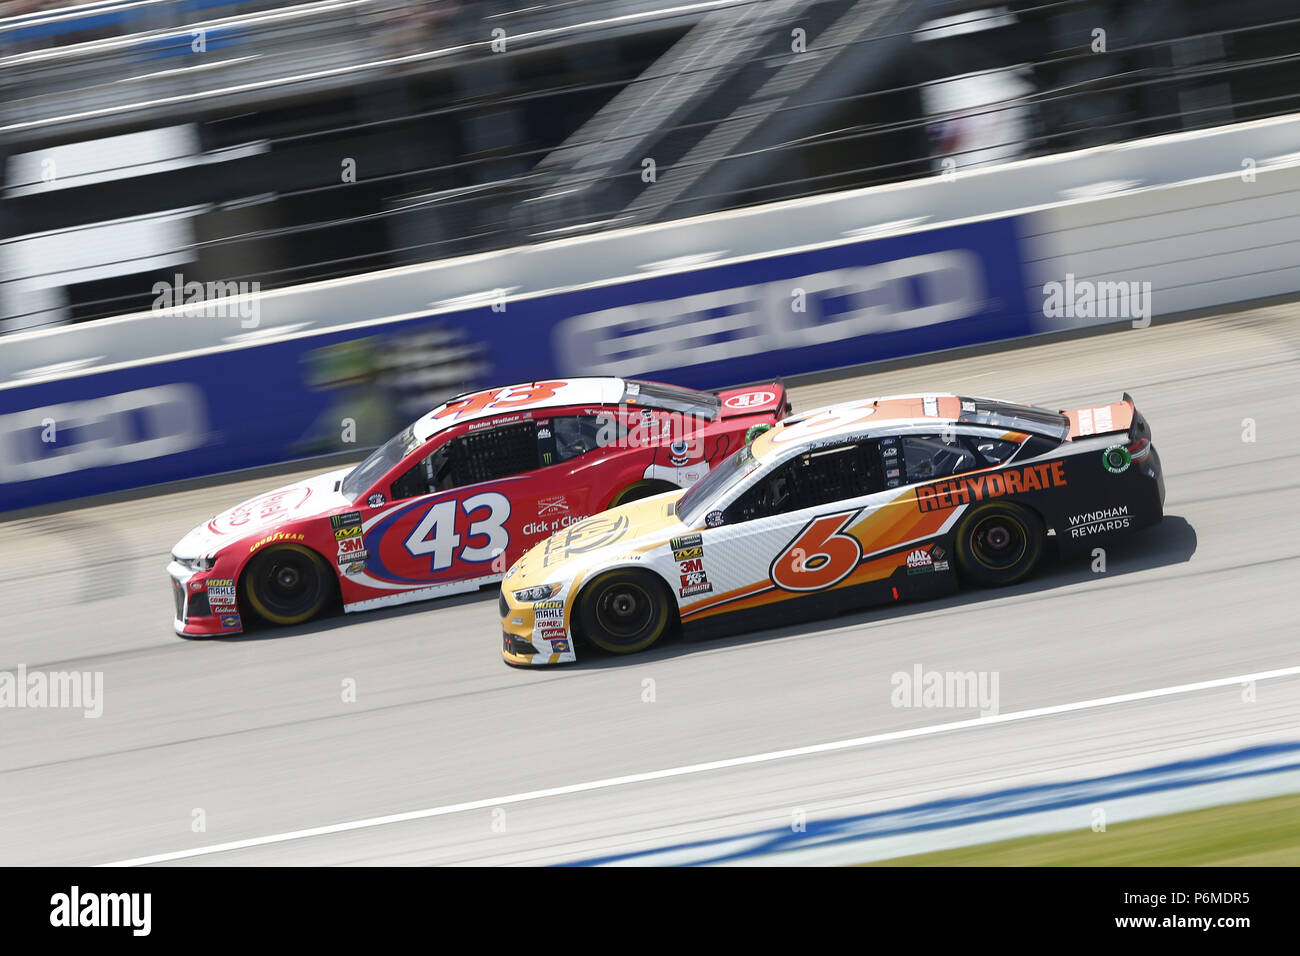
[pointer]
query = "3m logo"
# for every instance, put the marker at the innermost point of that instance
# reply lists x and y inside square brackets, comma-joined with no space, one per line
[350,546]
[695,565]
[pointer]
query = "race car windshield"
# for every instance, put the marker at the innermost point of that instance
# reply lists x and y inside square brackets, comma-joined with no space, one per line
[1039,421]
[672,398]
[699,499]
[381,460]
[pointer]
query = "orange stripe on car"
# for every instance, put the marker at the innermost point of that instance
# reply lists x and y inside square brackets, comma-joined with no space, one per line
[699,608]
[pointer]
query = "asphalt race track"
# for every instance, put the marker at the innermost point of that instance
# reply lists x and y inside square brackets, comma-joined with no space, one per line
[480,763]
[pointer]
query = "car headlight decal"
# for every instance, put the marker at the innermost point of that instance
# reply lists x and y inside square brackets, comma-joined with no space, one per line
[539,593]
[194,564]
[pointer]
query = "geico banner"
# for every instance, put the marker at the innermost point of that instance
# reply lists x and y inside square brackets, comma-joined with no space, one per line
[98,433]
[785,314]
[826,308]
[235,408]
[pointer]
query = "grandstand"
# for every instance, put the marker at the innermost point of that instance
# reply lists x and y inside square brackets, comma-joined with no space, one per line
[250,141]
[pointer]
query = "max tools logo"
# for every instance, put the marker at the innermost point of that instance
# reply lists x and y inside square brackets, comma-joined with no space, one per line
[65,690]
[77,909]
[818,309]
[101,432]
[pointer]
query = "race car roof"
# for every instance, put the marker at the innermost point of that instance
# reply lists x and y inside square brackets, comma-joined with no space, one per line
[875,415]
[526,396]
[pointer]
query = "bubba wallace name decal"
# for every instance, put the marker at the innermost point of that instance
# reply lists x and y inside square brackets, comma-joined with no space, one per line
[1014,481]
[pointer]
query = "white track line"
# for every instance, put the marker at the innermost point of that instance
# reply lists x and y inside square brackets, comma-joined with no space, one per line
[624,781]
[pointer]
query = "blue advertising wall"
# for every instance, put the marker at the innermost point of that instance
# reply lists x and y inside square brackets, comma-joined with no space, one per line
[777,316]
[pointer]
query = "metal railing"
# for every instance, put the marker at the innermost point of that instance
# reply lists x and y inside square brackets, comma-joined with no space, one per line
[172,56]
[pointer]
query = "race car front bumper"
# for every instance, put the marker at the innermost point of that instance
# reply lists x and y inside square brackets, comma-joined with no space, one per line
[194,612]
[526,642]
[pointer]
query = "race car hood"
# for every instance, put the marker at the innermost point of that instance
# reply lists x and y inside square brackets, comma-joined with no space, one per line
[631,529]
[263,514]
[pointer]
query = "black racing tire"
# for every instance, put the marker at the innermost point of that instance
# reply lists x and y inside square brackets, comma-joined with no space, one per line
[287,584]
[642,489]
[625,611]
[999,543]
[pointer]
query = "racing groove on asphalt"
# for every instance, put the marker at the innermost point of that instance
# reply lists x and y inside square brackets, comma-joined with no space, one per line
[207,743]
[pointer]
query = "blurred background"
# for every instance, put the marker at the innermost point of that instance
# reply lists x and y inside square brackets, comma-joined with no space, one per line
[289,142]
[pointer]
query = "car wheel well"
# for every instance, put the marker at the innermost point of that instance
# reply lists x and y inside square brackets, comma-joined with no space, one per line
[331,576]
[641,488]
[998,565]
[658,580]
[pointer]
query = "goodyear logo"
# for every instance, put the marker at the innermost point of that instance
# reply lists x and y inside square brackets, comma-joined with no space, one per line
[278,536]
[1013,481]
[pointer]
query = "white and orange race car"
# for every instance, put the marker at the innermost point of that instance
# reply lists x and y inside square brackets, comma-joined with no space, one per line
[866,502]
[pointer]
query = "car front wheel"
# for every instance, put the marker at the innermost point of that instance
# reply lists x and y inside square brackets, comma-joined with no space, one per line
[287,584]
[623,612]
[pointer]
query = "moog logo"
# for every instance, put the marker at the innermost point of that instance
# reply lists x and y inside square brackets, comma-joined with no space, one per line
[95,433]
[731,323]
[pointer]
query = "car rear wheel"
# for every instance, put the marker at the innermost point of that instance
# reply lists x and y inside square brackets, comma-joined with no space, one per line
[624,611]
[288,584]
[999,544]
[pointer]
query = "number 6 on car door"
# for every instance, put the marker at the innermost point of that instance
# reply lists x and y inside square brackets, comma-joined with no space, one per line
[820,556]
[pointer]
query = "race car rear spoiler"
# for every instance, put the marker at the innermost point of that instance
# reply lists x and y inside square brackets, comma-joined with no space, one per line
[764,399]
[1114,418]
[1139,432]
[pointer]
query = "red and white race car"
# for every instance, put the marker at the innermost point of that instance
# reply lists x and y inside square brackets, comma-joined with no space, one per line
[446,505]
